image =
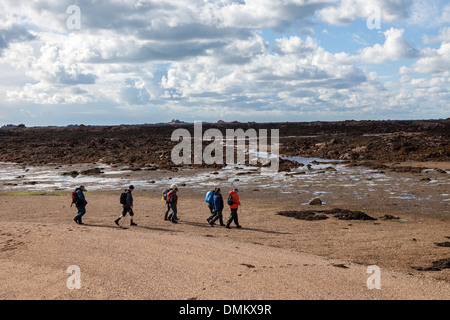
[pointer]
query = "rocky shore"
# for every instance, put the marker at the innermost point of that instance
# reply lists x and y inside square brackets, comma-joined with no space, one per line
[143,146]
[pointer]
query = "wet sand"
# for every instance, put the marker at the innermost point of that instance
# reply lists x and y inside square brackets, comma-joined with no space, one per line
[271,257]
[397,168]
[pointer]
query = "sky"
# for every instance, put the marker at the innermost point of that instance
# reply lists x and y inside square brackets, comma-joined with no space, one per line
[148,61]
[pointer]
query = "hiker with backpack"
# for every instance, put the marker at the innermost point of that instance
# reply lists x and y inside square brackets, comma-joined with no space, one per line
[164,198]
[234,203]
[172,200]
[80,202]
[126,200]
[209,199]
[218,207]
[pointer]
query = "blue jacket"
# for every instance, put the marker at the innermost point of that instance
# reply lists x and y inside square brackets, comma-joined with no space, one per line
[82,201]
[217,201]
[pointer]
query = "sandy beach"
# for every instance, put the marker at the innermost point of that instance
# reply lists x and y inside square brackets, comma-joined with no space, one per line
[271,257]
[386,208]
[329,118]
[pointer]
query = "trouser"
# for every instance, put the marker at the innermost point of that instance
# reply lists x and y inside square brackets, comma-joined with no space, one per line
[217,216]
[211,210]
[233,217]
[126,210]
[173,215]
[81,212]
[167,211]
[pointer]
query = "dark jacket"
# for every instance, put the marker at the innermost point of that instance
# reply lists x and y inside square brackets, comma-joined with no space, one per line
[217,201]
[129,199]
[81,199]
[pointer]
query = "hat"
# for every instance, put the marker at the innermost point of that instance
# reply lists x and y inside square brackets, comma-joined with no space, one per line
[173,187]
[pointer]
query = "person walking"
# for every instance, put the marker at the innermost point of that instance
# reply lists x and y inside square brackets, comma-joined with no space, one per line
[80,202]
[165,193]
[234,203]
[127,206]
[218,207]
[172,199]
[209,198]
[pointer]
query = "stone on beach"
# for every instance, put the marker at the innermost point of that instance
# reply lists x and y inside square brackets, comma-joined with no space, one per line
[315,202]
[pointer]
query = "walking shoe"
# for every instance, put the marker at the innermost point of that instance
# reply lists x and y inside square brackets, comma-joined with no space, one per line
[238,227]
[211,224]
[117,222]
[174,221]
[133,224]
[228,227]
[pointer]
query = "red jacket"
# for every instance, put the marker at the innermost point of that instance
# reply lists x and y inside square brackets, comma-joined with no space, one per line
[172,197]
[236,203]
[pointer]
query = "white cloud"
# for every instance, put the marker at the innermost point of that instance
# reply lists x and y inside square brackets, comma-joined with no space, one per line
[434,60]
[295,45]
[133,92]
[394,48]
[429,14]
[257,14]
[210,58]
[347,11]
[444,36]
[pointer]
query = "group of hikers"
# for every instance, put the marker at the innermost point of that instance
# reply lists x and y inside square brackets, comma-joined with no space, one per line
[215,204]
[213,198]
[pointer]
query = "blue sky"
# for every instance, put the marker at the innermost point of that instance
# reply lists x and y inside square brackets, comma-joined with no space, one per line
[152,61]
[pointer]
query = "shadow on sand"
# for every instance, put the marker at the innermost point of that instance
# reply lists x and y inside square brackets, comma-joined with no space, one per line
[128,227]
[206,225]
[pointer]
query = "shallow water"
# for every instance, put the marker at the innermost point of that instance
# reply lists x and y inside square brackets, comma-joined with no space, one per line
[316,180]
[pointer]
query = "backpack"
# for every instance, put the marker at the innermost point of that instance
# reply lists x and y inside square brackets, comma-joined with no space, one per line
[123,198]
[230,199]
[75,198]
[209,197]
[170,196]
[164,194]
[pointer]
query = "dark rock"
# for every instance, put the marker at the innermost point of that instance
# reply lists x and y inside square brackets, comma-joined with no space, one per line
[436,265]
[302,215]
[315,202]
[442,244]
[343,214]
[92,171]
[389,217]
[71,173]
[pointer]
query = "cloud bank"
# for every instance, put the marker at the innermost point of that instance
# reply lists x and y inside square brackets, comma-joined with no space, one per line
[149,61]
